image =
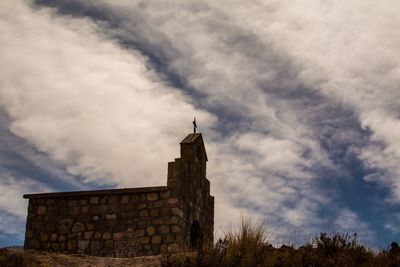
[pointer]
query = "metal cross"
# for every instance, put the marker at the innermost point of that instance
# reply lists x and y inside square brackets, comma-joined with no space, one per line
[194,125]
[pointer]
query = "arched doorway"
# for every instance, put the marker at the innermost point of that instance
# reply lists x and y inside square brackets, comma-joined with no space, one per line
[196,235]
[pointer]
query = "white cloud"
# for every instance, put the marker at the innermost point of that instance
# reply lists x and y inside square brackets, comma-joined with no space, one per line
[100,110]
[12,190]
[91,105]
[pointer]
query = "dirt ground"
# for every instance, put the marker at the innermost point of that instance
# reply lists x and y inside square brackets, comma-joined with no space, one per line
[61,260]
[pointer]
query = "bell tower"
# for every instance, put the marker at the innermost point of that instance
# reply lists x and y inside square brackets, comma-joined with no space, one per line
[187,182]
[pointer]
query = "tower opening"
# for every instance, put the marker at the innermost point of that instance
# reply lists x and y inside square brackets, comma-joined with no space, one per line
[196,235]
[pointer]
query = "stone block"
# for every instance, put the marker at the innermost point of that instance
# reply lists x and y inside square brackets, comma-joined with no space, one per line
[94,200]
[63,210]
[72,245]
[106,235]
[109,244]
[102,209]
[113,200]
[83,202]
[50,227]
[158,204]
[172,201]
[85,209]
[78,227]
[168,238]
[88,235]
[154,213]
[72,203]
[45,245]
[62,238]
[141,206]
[50,202]
[130,234]
[55,246]
[144,240]
[150,230]
[155,248]
[132,214]
[83,246]
[156,239]
[135,198]
[115,208]
[173,248]
[41,210]
[29,234]
[164,229]
[165,195]
[140,232]
[164,248]
[96,245]
[165,212]
[152,196]
[175,229]
[44,237]
[177,211]
[172,220]
[118,235]
[74,210]
[158,221]
[97,235]
[119,244]
[54,237]
[144,213]
[52,211]
[111,216]
[124,199]
[142,224]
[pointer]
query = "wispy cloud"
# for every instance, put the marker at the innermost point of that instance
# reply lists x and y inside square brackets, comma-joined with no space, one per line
[305,97]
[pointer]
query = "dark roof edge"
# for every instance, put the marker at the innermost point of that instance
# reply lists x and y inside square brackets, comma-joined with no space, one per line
[99,192]
[190,138]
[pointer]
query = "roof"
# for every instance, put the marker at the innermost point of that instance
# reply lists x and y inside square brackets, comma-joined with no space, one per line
[99,192]
[191,138]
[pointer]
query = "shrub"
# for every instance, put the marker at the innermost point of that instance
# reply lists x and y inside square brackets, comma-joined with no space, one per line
[248,247]
[11,258]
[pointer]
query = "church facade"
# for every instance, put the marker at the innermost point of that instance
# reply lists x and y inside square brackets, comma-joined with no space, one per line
[132,221]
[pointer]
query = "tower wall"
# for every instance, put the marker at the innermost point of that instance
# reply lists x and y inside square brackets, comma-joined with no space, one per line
[188,183]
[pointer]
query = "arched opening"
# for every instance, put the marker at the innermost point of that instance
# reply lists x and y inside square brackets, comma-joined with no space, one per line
[196,235]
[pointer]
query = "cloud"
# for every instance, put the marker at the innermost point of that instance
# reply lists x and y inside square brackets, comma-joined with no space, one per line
[300,92]
[91,105]
[13,207]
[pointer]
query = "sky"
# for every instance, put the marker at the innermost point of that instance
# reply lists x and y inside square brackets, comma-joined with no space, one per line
[298,102]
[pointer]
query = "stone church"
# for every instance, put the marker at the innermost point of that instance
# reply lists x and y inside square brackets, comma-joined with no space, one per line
[129,222]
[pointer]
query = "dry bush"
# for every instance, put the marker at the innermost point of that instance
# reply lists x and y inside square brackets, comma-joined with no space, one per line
[11,258]
[248,247]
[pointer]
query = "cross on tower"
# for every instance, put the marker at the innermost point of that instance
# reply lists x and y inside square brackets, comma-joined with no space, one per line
[194,125]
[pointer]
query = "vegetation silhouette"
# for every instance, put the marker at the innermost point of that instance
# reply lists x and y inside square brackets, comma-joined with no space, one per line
[248,247]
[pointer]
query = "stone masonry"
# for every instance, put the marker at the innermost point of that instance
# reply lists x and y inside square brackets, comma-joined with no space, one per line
[132,221]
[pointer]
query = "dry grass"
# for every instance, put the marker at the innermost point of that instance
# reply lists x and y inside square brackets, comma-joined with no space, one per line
[248,247]
[11,258]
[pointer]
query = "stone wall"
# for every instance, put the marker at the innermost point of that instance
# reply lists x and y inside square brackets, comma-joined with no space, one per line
[122,222]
